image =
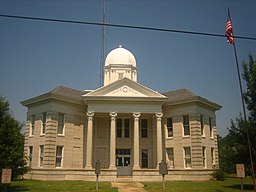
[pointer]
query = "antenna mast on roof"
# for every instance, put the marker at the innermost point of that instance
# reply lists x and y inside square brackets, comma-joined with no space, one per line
[103,43]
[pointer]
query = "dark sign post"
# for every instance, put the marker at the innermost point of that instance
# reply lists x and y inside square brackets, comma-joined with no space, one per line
[97,172]
[163,171]
[6,178]
[240,173]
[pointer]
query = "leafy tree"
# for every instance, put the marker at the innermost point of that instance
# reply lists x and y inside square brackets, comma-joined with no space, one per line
[233,148]
[11,141]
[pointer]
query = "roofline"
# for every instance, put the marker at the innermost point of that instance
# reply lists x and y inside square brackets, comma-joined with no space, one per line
[195,99]
[48,96]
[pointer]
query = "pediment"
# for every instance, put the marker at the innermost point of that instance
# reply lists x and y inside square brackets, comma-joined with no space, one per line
[124,88]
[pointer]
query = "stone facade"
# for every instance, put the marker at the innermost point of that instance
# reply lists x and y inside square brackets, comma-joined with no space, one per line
[128,127]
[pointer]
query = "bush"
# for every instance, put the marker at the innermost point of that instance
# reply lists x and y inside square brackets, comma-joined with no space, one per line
[219,175]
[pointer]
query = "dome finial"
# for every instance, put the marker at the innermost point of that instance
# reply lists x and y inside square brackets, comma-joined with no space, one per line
[120,46]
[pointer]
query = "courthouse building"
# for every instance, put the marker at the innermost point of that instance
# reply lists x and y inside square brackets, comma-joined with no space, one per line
[127,126]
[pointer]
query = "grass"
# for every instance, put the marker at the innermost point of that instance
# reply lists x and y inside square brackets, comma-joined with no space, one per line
[57,186]
[229,185]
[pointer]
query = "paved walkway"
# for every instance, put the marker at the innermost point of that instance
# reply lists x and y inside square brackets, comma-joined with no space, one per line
[128,186]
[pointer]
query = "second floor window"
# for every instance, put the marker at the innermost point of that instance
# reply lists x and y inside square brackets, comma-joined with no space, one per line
[32,128]
[202,125]
[210,126]
[169,127]
[61,124]
[123,128]
[186,127]
[43,123]
[144,128]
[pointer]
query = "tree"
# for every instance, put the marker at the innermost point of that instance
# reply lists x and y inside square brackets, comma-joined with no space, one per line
[233,148]
[11,142]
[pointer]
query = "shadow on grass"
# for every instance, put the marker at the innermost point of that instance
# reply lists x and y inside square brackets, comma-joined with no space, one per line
[238,186]
[14,188]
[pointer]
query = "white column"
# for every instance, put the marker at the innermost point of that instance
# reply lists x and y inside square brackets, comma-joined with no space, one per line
[159,149]
[112,160]
[136,146]
[88,163]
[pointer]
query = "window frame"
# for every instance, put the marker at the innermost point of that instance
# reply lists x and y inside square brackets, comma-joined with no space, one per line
[171,160]
[213,157]
[30,155]
[211,127]
[202,125]
[59,158]
[186,125]
[169,127]
[187,161]
[204,157]
[143,130]
[61,124]
[32,125]
[41,156]
[144,159]
[122,130]
[43,125]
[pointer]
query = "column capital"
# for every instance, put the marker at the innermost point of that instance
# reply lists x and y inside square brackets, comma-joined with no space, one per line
[90,115]
[159,116]
[136,115]
[113,116]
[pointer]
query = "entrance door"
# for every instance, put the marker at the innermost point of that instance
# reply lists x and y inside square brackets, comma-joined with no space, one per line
[123,165]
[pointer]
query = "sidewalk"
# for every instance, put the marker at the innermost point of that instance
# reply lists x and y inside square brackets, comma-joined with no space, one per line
[128,186]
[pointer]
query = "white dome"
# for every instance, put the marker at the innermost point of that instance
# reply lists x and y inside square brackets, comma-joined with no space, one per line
[120,56]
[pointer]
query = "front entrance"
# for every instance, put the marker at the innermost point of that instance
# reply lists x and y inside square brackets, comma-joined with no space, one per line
[123,162]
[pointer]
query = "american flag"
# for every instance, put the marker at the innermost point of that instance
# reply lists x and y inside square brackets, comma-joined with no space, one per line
[229,32]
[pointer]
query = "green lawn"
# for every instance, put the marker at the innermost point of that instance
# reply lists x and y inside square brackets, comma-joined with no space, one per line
[229,185]
[57,186]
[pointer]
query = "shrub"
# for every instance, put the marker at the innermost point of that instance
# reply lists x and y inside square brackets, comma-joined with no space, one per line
[219,175]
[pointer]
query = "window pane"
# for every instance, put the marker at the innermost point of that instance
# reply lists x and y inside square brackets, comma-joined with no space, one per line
[127,128]
[59,157]
[43,123]
[170,156]
[144,128]
[32,125]
[61,124]
[186,125]
[169,127]
[144,158]
[187,157]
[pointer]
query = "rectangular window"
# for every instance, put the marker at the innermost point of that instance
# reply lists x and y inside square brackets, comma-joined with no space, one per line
[43,123]
[126,128]
[119,125]
[202,125]
[170,154]
[59,156]
[30,155]
[213,157]
[123,128]
[41,155]
[144,158]
[204,156]
[210,126]
[169,127]
[186,127]
[61,123]
[187,157]
[144,128]
[32,129]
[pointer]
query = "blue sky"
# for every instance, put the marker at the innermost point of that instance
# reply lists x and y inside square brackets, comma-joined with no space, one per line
[37,56]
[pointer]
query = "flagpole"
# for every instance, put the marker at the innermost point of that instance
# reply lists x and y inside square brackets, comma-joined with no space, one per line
[244,112]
